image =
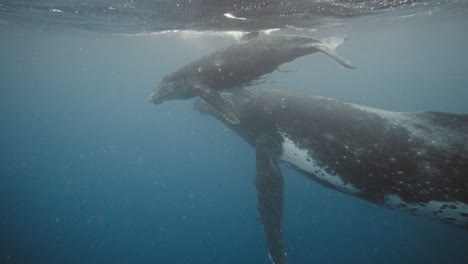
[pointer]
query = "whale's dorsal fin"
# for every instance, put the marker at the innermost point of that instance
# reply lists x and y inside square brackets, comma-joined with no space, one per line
[212,97]
[328,46]
[269,182]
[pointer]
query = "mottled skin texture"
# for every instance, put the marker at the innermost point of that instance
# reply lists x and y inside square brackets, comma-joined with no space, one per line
[419,157]
[237,65]
[371,152]
[243,62]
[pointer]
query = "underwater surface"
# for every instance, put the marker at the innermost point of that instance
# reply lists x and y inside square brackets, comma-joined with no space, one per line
[91,172]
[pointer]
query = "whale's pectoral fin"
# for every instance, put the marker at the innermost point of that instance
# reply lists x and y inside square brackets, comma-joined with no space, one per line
[332,53]
[269,182]
[214,99]
[328,46]
[332,42]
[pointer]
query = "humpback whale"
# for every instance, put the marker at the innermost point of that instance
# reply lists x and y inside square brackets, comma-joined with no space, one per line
[415,162]
[237,66]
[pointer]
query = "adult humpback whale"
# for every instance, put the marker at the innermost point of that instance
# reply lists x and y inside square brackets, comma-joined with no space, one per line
[237,66]
[414,162]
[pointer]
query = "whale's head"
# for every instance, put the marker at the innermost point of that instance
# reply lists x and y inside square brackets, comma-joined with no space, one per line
[171,89]
[167,90]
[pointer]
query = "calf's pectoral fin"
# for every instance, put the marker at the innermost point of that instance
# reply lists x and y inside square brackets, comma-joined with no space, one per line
[214,99]
[328,47]
[269,182]
[332,42]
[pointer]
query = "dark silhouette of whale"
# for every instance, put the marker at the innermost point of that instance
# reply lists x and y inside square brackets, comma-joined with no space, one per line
[414,162]
[237,66]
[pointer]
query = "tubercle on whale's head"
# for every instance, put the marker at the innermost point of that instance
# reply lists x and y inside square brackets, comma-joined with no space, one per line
[166,91]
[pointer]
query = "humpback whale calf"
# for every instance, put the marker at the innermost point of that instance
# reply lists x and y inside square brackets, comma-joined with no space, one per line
[415,162]
[237,66]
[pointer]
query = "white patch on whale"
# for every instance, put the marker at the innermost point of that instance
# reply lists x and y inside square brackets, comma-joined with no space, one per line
[56,10]
[419,125]
[300,158]
[231,16]
[442,210]
[193,34]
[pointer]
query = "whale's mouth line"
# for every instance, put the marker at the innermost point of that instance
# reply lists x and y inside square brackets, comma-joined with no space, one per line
[155,98]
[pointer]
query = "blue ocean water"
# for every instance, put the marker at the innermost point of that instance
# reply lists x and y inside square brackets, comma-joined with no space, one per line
[90,172]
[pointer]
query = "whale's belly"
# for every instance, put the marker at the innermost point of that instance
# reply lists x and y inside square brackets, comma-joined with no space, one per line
[452,212]
[303,159]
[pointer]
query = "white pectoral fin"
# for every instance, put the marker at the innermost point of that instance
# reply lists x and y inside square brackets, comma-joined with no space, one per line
[214,99]
[328,46]
[332,42]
